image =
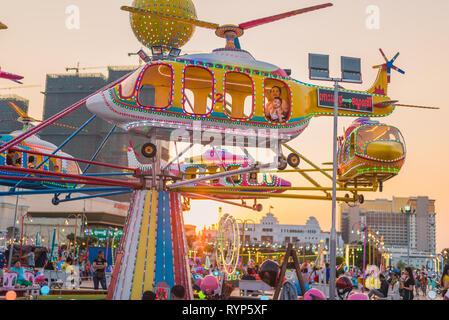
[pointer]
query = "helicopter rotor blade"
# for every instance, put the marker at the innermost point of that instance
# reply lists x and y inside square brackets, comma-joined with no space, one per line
[258,22]
[413,106]
[395,57]
[398,70]
[194,22]
[383,55]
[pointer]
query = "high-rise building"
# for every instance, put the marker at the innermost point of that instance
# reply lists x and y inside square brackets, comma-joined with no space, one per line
[390,219]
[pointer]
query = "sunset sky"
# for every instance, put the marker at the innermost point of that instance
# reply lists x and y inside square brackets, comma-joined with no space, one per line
[38,43]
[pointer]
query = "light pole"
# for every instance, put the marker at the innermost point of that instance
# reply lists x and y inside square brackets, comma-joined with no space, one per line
[13,234]
[21,233]
[363,228]
[351,72]
[244,223]
[407,210]
[76,216]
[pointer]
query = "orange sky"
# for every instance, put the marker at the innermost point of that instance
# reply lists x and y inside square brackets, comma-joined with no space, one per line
[38,42]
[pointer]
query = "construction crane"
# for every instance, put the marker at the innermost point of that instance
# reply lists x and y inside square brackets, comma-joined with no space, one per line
[78,68]
[22,87]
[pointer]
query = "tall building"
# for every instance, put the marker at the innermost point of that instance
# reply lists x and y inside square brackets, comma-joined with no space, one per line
[387,217]
[8,116]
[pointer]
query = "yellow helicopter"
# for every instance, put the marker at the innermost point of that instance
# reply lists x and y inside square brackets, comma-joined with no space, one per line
[226,95]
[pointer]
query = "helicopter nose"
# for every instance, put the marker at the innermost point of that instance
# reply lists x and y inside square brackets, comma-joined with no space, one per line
[385,150]
[95,104]
[285,183]
[98,104]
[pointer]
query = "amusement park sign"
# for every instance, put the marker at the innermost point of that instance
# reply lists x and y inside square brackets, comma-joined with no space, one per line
[346,100]
[103,233]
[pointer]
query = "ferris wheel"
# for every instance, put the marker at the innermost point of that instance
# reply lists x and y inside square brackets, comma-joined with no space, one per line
[228,244]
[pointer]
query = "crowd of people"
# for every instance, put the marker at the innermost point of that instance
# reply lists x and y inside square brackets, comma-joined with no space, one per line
[78,269]
[408,283]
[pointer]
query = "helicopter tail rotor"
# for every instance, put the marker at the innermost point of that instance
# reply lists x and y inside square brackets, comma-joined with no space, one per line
[26,119]
[388,65]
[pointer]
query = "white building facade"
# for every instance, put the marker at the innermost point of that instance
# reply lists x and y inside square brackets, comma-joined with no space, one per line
[269,231]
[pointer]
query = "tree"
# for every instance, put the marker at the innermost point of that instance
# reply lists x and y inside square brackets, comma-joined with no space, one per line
[445,254]
[401,265]
[339,260]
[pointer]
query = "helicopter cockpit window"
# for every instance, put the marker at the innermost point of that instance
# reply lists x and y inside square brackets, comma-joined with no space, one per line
[31,162]
[214,170]
[191,173]
[14,158]
[156,87]
[129,84]
[368,134]
[237,179]
[252,178]
[239,95]
[198,90]
[277,100]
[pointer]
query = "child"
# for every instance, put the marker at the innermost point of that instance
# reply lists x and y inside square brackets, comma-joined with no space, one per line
[276,110]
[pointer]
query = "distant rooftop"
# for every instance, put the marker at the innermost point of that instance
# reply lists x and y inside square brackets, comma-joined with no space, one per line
[13,97]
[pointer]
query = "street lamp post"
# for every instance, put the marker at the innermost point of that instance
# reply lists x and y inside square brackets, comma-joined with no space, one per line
[21,234]
[77,216]
[351,72]
[408,212]
[13,234]
[365,230]
[244,223]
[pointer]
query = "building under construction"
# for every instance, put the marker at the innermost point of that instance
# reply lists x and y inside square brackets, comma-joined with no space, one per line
[8,117]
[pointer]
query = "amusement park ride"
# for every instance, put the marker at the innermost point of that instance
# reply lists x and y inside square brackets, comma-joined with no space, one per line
[217,100]
[6,75]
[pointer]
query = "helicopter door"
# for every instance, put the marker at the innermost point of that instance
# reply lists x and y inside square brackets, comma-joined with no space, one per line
[239,95]
[156,87]
[198,90]
[273,89]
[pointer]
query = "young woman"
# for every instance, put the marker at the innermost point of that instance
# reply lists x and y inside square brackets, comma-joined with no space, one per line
[409,284]
[276,92]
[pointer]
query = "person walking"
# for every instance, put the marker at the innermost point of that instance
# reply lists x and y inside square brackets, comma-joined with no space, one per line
[409,284]
[445,281]
[423,283]
[100,266]
[31,258]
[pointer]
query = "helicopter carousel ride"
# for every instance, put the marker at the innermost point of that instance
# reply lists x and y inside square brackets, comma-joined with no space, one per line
[226,95]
